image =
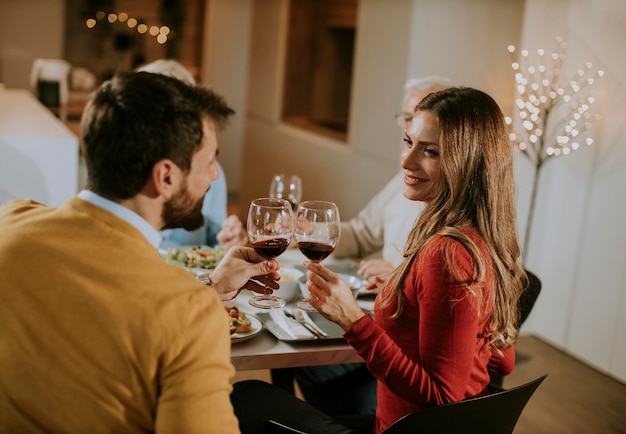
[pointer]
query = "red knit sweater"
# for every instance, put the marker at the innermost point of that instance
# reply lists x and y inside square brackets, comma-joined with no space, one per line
[436,351]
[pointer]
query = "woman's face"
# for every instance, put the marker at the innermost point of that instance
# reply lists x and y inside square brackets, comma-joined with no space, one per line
[420,157]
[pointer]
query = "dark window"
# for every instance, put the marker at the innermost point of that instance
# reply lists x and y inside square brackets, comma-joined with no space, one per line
[318,75]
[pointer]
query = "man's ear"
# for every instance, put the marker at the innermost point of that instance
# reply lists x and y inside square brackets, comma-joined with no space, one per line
[166,178]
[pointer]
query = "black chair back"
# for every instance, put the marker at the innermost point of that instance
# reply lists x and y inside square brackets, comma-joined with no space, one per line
[529,297]
[496,413]
[273,427]
[525,303]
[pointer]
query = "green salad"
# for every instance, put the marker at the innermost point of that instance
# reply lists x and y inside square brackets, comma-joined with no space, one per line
[194,257]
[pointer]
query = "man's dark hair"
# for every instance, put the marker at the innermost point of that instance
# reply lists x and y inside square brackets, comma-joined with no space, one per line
[138,118]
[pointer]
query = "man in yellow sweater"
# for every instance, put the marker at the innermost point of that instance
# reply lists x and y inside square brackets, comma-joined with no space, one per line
[97,333]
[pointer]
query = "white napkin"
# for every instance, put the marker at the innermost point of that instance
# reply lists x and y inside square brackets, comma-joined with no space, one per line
[290,326]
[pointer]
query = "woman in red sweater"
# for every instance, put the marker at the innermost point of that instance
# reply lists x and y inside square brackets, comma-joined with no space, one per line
[448,313]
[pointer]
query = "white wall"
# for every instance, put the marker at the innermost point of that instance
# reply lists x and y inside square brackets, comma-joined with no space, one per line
[225,67]
[395,41]
[39,156]
[578,246]
[28,29]
[347,173]
[578,243]
[467,41]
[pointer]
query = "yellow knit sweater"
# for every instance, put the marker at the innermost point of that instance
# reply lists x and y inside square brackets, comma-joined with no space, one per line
[98,334]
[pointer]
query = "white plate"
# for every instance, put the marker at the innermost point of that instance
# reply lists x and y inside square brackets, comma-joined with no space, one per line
[355,282]
[358,285]
[257,327]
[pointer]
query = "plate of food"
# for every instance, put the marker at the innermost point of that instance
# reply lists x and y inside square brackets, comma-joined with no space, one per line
[243,326]
[195,258]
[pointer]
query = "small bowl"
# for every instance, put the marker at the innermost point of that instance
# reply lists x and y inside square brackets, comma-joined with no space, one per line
[289,289]
[302,285]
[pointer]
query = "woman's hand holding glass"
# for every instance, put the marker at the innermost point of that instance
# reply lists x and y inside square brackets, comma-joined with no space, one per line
[317,231]
[331,296]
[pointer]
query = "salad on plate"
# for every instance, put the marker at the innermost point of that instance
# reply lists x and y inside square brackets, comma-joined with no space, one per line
[203,257]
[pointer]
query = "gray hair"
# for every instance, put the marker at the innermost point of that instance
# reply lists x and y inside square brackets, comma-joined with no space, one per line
[171,68]
[426,83]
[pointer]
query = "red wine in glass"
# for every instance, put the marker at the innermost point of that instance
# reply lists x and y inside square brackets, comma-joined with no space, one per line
[317,229]
[270,228]
[315,251]
[271,248]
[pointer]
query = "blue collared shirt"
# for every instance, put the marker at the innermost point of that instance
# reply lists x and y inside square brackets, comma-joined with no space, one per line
[125,214]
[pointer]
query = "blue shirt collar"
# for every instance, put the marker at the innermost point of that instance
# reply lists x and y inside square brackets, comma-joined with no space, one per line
[125,214]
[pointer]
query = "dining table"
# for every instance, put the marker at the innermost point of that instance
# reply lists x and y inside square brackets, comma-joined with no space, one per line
[265,350]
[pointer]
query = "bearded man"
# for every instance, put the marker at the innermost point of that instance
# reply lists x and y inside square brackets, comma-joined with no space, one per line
[97,333]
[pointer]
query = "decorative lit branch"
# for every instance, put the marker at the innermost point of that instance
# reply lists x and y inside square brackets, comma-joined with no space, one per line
[553,115]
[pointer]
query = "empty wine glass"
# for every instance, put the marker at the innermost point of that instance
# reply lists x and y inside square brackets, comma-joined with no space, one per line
[286,186]
[270,229]
[317,232]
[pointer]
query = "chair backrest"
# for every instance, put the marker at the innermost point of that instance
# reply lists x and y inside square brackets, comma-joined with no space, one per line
[529,297]
[496,413]
[526,302]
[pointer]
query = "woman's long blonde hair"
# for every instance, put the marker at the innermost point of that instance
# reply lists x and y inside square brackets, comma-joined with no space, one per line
[477,191]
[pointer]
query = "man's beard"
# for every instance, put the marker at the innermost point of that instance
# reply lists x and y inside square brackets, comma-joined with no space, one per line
[183,211]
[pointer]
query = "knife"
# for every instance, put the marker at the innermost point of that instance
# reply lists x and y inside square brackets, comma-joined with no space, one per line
[305,324]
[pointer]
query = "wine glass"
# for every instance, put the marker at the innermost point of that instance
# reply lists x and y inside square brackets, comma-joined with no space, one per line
[270,229]
[317,232]
[286,186]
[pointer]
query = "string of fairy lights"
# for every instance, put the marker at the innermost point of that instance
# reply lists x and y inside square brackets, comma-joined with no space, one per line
[540,91]
[161,33]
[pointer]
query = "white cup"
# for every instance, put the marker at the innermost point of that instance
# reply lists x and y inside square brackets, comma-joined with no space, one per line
[302,285]
[288,290]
